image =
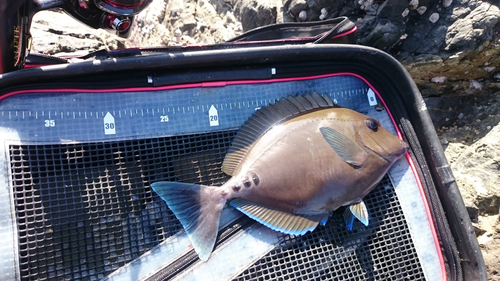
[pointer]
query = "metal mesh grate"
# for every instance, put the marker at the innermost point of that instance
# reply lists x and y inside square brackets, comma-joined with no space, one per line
[84,210]
[382,251]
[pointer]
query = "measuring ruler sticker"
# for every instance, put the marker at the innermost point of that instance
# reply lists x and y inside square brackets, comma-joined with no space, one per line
[91,116]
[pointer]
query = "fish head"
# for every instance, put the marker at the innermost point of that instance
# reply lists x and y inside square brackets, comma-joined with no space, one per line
[374,137]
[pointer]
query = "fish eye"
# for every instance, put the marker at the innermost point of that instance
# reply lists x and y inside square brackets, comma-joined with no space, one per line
[372,124]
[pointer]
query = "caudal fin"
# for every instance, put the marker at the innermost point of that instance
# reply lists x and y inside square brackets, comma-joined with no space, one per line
[198,208]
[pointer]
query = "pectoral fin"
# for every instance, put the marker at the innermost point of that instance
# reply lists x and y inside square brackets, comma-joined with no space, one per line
[358,211]
[278,220]
[347,149]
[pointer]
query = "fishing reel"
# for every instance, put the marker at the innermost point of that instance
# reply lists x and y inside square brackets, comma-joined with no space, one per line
[116,16]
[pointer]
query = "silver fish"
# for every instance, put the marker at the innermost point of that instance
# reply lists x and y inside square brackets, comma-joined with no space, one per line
[292,164]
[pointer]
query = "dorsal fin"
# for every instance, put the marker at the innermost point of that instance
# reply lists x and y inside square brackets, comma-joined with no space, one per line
[265,118]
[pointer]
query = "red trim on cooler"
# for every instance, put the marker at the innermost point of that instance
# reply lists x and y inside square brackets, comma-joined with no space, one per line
[345,33]
[420,187]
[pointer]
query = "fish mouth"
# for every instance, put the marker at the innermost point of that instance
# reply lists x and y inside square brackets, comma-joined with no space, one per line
[389,157]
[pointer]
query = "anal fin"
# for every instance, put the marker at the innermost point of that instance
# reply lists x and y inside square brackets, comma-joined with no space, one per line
[278,220]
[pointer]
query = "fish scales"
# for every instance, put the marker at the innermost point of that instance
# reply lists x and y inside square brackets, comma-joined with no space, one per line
[292,164]
[304,189]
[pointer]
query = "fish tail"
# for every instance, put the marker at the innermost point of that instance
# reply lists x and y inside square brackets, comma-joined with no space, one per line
[198,208]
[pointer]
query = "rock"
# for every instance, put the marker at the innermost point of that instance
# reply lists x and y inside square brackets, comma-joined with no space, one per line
[377,30]
[148,29]
[253,13]
[297,6]
[489,241]
[69,36]
[200,22]
[461,45]
[476,171]
[473,30]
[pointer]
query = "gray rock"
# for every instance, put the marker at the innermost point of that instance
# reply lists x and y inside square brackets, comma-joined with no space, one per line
[148,29]
[476,169]
[256,13]
[55,32]
[385,27]
[473,30]
[462,46]
[199,22]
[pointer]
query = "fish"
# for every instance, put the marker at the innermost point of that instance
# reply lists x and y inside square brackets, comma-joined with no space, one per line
[292,164]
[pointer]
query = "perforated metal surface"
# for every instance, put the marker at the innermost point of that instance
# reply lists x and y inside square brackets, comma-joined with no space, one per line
[382,251]
[84,210]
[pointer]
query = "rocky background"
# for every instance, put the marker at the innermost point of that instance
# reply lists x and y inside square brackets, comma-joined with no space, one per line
[451,48]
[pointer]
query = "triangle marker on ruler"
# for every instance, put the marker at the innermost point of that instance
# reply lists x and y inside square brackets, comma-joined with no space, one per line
[372,98]
[213,116]
[109,124]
